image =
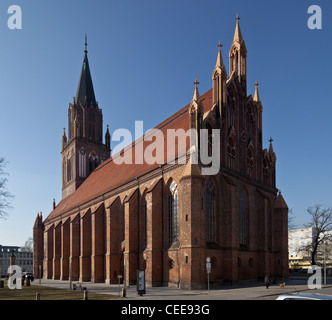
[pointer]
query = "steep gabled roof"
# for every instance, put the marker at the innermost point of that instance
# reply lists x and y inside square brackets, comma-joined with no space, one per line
[109,175]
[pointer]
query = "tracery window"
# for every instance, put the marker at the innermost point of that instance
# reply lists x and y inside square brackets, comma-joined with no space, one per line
[250,162]
[211,234]
[173,214]
[231,153]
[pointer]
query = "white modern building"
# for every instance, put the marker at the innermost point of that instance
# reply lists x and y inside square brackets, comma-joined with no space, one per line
[298,239]
[300,246]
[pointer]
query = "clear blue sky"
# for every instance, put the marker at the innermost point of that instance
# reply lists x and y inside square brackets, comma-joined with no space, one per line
[144,56]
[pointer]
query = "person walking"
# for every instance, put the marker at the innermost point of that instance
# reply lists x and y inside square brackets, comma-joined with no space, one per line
[267,281]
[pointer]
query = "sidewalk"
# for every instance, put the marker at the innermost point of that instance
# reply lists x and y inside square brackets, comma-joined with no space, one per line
[253,291]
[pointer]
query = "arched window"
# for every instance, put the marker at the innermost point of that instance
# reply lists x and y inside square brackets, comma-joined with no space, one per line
[209,128]
[250,162]
[211,234]
[173,214]
[231,109]
[69,169]
[243,218]
[93,162]
[266,171]
[91,123]
[145,223]
[231,153]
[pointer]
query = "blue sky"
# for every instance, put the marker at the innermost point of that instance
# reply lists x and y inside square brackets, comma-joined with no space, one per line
[144,56]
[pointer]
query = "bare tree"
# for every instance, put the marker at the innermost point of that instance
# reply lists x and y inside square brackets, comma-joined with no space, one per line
[321,221]
[27,247]
[5,196]
[291,220]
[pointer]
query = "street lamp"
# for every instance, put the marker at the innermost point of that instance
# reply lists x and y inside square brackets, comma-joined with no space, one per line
[324,243]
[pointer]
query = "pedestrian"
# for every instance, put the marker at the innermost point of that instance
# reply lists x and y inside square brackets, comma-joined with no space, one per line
[267,281]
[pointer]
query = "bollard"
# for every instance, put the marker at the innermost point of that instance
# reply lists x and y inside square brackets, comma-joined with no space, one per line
[2,284]
[123,293]
[37,296]
[85,295]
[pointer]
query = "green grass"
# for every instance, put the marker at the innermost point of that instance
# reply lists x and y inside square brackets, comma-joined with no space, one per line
[48,293]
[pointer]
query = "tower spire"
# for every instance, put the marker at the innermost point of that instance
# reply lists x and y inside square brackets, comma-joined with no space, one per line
[85,92]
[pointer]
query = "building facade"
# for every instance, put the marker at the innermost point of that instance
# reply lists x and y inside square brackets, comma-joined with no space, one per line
[23,259]
[164,215]
[300,244]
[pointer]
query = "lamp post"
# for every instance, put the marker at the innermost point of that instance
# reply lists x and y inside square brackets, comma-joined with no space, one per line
[324,243]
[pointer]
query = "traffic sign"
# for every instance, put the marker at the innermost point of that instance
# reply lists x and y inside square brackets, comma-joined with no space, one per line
[208,267]
[208,260]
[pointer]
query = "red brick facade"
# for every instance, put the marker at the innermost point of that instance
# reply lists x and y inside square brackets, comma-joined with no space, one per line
[168,218]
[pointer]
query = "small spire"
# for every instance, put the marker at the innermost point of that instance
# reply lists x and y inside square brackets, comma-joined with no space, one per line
[256,96]
[108,138]
[219,62]
[196,93]
[237,34]
[271,151]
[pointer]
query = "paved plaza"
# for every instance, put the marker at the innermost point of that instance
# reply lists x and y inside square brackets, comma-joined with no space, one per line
[249,291]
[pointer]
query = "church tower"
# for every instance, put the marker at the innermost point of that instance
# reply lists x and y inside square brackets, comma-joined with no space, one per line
[83,150]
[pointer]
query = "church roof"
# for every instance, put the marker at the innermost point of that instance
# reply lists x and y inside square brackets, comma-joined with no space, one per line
[109,175]
[85,87]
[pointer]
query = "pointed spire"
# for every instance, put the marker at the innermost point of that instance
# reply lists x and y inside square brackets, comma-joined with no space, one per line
[256,96]
[219,62]
[237,34]
[64,139]
[272,154]
[271,147]
[85,92]
[196,92]
[108,138]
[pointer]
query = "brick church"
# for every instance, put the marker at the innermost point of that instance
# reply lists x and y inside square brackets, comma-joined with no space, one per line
[167,217]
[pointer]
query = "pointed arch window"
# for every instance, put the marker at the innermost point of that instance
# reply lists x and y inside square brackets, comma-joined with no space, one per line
[145,243]
[231,109]
[266,171]
[231,152]
[92,124]
[69,169]
[209,128]
[173,214]
[211,223]
[250,162]
[243,218]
